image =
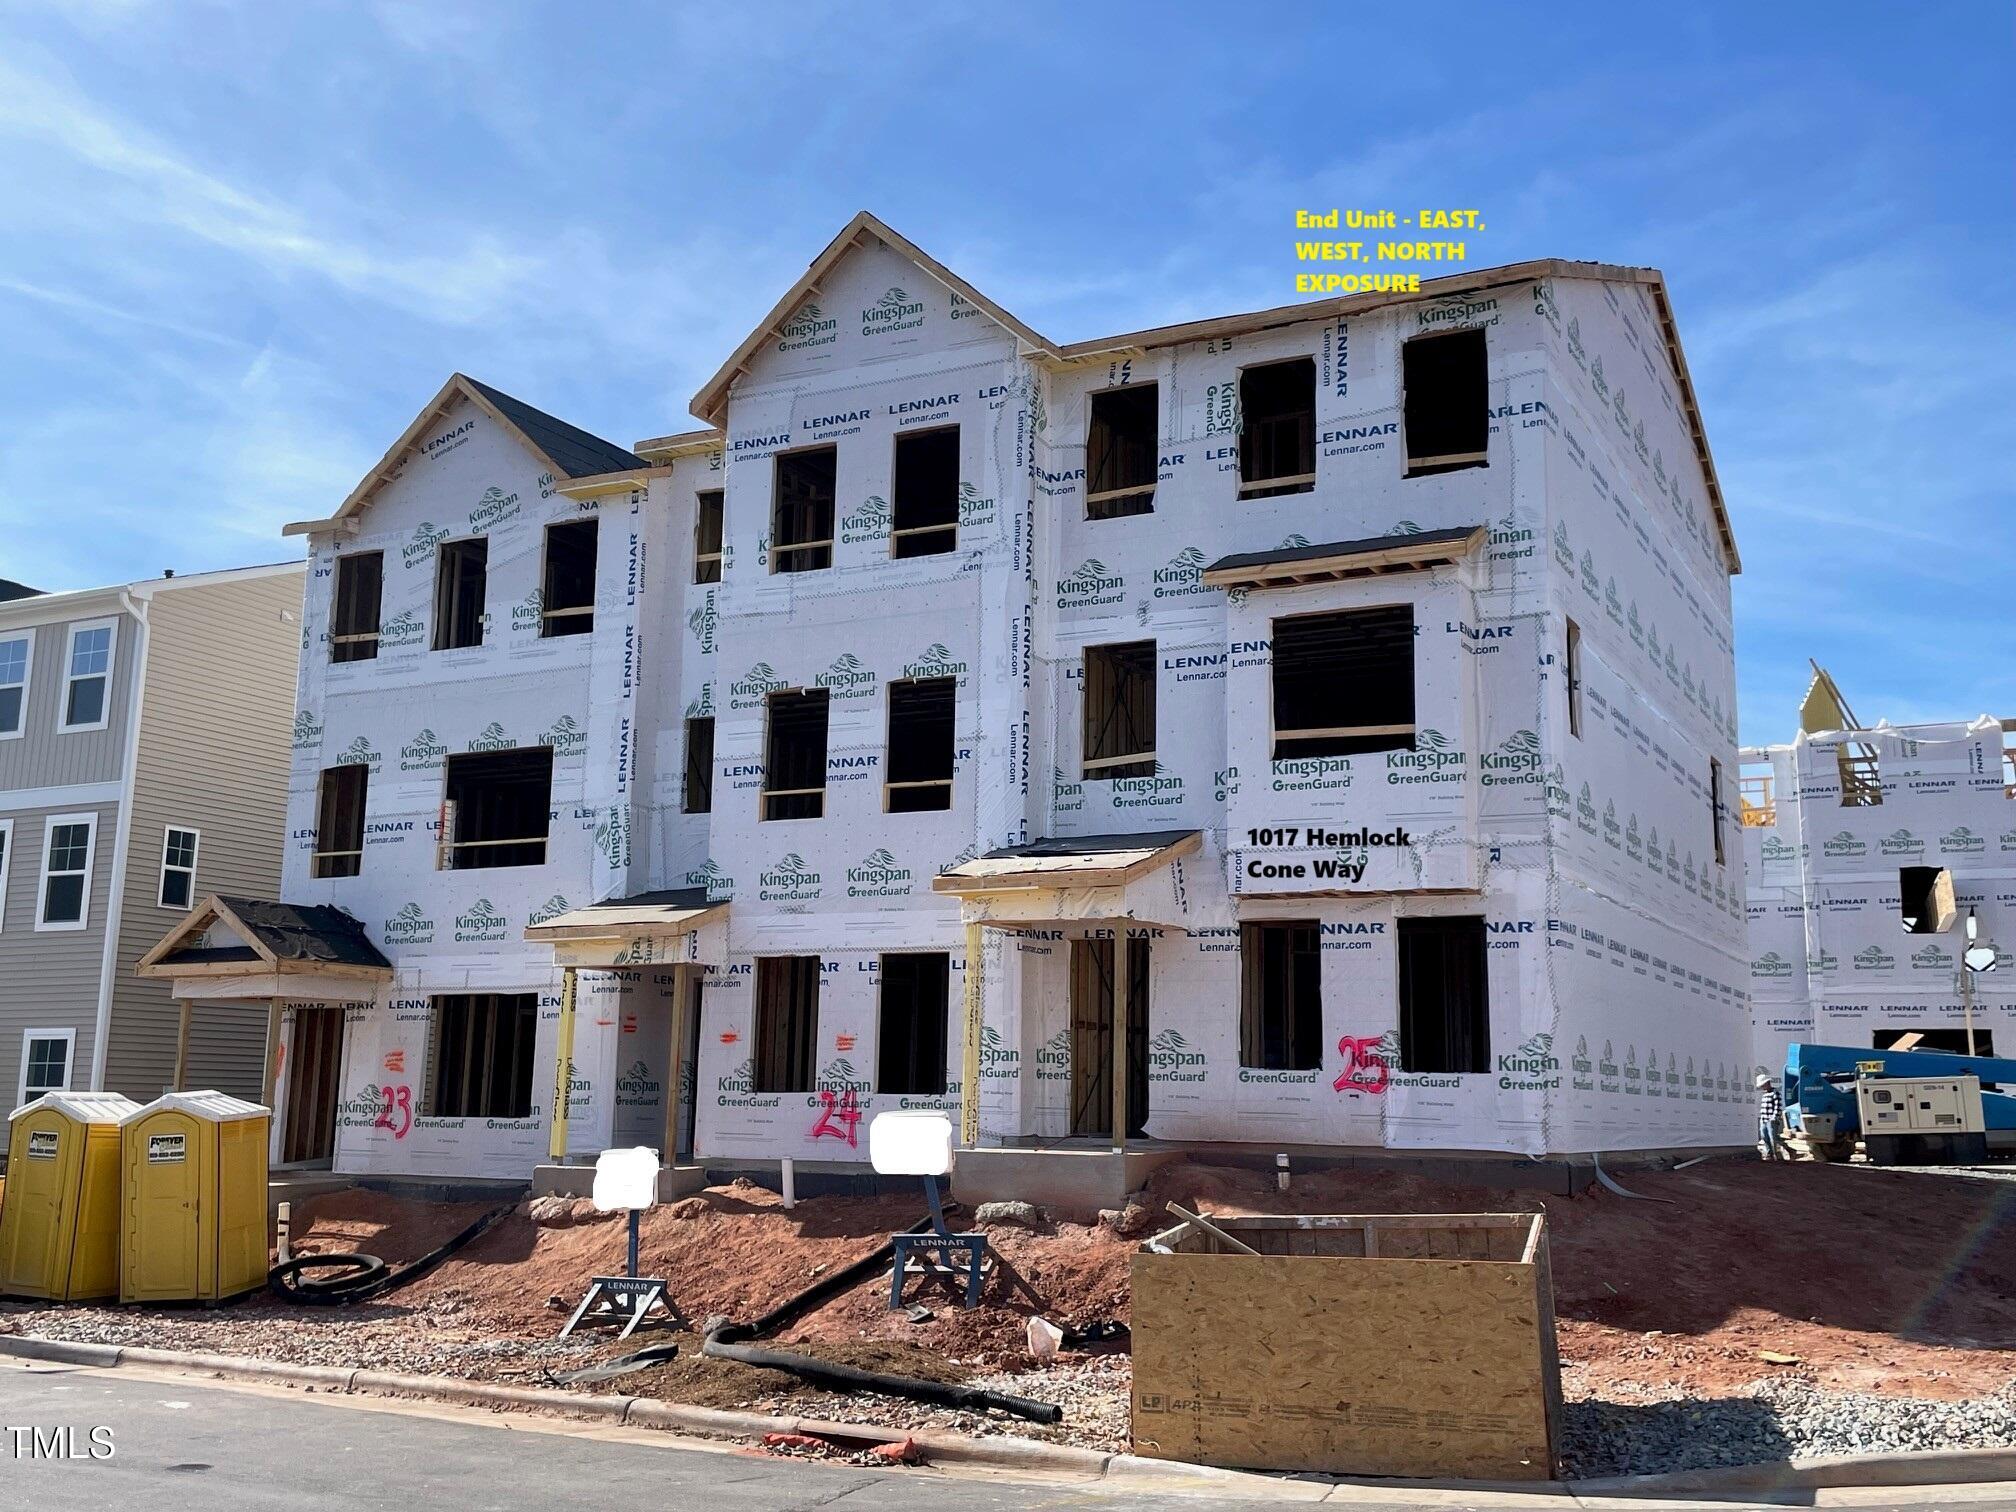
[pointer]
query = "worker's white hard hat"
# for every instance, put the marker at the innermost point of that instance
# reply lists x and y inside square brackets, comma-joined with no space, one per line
[1763,1081]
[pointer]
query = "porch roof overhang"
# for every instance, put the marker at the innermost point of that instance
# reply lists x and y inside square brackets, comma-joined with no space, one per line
[1136,877]
[653,927]
[1337,561]
[231,947]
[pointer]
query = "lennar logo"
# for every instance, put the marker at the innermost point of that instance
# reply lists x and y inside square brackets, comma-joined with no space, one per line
[403,629]
[1961,841]
[1183,576]
[999,1061]
[847,677]
[1844,844]
[936,661]
[708,874]
[1516,760]
[868,523]
[1431,760]
[810,327]
[1170,1059]
[1531,1067]
[307,730]
[1770,964]
[878,876]
[788,881]
[1902,842]
[1874,958]
[495,507]
[552,908]
[421,752]
[409,926]
[894,311]
[493,738]
[481,922]
[749,691]
[421,547]
[1090,585]
[566,737]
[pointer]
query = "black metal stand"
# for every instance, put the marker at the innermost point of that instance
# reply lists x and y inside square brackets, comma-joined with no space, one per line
[935,1252]
[623,1299]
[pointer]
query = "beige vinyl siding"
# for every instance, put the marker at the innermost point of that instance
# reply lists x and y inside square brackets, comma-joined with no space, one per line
[41,758]
[49,978]
[215,738]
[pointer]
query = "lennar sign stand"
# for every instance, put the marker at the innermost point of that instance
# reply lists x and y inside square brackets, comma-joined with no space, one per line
[1978,957]
[625,1180]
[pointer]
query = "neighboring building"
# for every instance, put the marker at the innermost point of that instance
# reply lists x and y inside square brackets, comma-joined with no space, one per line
[1846,834]
[143,740]
[1367,663]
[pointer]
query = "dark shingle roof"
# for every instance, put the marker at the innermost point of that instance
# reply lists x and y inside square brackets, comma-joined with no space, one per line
[307,932]
[573,450]
[1089,845]
[1287,554]
[9,589]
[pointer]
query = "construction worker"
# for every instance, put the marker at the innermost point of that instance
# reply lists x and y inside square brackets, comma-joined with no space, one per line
[1770,1110]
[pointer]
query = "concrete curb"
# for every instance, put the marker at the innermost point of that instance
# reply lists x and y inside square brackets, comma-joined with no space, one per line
[1935,1467]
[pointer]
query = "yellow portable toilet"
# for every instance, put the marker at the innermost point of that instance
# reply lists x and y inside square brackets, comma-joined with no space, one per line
[195,1198]
[59,1221]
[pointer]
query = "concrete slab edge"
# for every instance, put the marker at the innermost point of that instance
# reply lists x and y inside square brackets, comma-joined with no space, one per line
[1933,1467]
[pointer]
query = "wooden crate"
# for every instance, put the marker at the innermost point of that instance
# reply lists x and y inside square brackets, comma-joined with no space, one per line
[1376,1344]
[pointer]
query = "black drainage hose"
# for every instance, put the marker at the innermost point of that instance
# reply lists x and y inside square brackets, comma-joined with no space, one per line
[365,1277]
[847,1378]
[817,1295]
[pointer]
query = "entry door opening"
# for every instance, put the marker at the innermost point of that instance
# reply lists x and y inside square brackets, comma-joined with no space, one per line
[316,1062]
[1092,1037]
[689,1072]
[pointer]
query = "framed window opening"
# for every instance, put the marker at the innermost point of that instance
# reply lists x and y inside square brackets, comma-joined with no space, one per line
[17,666]
[87,676]
[496,809]
[1119,710]
[567,584]
[1861,774]
[356,604]
[1445,1013]
[913,1018]
[461,582]
[178,867]
[922,712]
[1277,428]
[1281,995]
[479,1055]
[339,821]
[801,520]
[1571,662]
[924,497]
[699,793]
[794,755]
[1344,682]
[69,846]
[1121,455]
[787,1023]
[1446,404]
[46,1057]
[709,522]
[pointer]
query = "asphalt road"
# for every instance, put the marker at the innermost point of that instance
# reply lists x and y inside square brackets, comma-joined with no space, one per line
[178,1443]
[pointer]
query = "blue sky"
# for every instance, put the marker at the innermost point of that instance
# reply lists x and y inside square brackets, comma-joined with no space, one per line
[241,244]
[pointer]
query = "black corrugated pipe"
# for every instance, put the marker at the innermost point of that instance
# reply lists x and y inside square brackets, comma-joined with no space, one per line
[815,1296]
[362,1278]
[847,1378]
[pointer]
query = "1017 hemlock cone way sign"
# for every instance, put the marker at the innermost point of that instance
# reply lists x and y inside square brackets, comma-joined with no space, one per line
[1190,733]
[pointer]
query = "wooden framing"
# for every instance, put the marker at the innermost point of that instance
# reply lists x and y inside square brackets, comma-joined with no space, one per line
[1400,556]
[1088,869]
[213,909]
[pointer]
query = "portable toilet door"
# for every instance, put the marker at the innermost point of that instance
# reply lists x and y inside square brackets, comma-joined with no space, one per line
[195,1205]
[60,1220]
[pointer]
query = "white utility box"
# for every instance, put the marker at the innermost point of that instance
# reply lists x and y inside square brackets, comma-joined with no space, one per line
[1927,1119]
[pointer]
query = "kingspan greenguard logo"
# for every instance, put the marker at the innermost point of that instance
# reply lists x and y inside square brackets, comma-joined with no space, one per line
[838,1075]
[529,612]
[1433,759]
[1509,541]
[1182,577]
[552,908]
[1171,1059]
[1090,586]
[847,677]
[307,729]
[423,752]
[1613,605]
[1306,774]
[1564,552]
[810,327]
[364,1110]
[1583,1068]
[894,311]
[1874,958]
[565,736]
[480,922]
[409,926]
[1053,1057]
[1901,842]
[1516,760]
[1932,958]
[1533,1067]
[1772,848]
[425,539]
[1825,961]
[492,738]
[702,623]
[360,752]
[936,661]
[1155,791]
[703,706]
[870,522]
[878,876]
[636,1086]
[1770,964]
[1962,841]
[788,881]
[999,1060]
[975,508]
[612,836]
[494,508]
[1066,796]
[758,683]
[708,874]
[403,629]
[1843,844]
[737,1089]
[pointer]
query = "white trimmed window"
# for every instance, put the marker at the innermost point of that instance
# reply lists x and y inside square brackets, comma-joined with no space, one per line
[178,866]
[64,898]
[6,857]
[45,1062]
[17,660]
[87,676]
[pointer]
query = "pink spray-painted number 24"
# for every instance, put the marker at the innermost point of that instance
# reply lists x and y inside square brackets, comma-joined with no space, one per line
[837,1110]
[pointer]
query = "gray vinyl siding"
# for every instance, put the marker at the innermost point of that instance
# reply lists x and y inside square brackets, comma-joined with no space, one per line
[215,744]
[42,758]
[49,978]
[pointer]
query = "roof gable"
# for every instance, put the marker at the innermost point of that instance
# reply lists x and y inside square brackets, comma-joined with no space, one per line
[564,450]
[266,936]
